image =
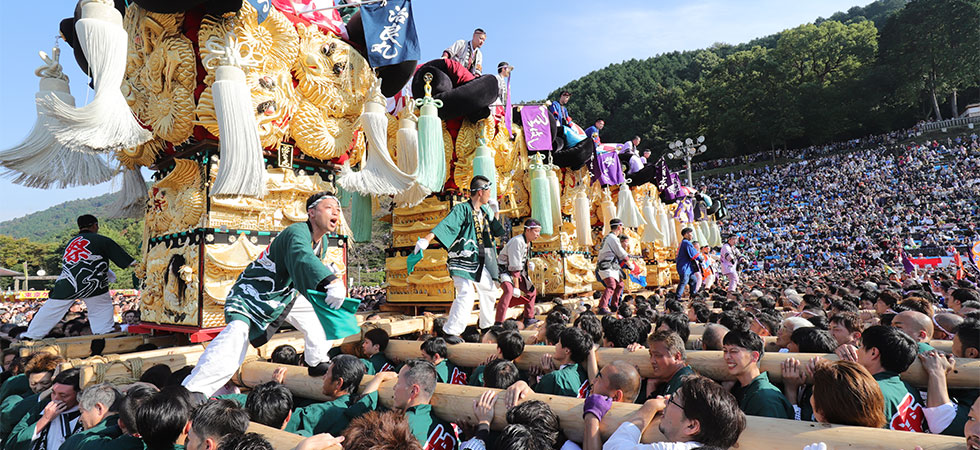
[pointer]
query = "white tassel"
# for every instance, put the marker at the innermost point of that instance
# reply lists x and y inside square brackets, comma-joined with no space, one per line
[651,232]
[40,161]
[378,175]
[107,123]
[608,209]
[583,219]
[665,225]
[241,171]
[131,201]
[408,160]
[628,212]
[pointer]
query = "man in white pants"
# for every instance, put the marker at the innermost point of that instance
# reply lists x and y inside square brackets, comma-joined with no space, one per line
[729,262]
[84,275]
[270,291]
[468,232]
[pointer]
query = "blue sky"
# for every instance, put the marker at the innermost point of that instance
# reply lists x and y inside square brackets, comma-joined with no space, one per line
[528,34]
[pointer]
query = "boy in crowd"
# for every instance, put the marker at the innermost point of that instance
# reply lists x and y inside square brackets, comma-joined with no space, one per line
[373,347]
[435,351]
[340,386]
[886,352]
[755,394]
[510,346]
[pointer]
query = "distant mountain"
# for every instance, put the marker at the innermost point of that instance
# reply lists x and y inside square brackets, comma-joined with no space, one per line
[48,225]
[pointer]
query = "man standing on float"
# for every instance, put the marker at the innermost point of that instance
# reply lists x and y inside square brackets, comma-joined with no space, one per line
[468,232]
[270,291]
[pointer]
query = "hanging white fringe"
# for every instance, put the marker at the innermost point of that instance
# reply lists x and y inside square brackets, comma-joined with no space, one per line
[131,201]
[241,171]
[651,231]
[608,209]
[583,219]
[107,123]
[408,159]
[378,175]
[40,161]
[628,212]
[666,227]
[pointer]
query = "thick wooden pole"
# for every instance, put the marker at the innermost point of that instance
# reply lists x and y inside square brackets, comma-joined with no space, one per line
[941,345]
[455,404]
[281,440]
[708,363]
[83,348]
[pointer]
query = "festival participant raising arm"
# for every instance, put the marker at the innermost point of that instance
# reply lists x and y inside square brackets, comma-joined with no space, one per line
[270,290]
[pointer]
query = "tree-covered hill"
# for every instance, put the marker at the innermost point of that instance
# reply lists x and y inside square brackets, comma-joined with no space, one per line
[868,70]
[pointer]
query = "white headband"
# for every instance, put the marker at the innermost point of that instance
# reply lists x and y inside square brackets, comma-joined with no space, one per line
[317,201]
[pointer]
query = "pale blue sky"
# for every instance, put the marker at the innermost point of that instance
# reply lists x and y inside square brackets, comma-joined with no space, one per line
[549,42]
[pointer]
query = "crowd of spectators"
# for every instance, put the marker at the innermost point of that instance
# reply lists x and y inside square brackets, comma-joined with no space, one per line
[854,210]
[878,327]
[372,297]
[810,152]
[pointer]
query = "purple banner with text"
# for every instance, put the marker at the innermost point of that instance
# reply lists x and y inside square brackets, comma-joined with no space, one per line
[537,129]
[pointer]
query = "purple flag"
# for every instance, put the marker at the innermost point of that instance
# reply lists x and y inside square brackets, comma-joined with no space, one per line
[537,129]
[606,168]
[508,111]
[907,264]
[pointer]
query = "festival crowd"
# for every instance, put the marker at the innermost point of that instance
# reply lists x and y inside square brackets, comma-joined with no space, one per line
[854,210]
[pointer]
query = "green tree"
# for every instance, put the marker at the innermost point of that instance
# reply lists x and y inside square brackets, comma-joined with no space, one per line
[935,46]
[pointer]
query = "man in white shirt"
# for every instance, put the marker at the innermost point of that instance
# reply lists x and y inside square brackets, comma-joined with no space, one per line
[729,262]
[515,267]
[468,53]
[48,424]
[700,413]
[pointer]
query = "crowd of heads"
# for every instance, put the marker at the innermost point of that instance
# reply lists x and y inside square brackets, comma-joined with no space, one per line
[855,211]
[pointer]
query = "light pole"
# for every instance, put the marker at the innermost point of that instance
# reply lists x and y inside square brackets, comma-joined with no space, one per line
[686,150]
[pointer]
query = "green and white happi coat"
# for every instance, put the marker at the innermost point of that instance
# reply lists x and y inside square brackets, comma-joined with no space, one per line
[264,293]
[468,234]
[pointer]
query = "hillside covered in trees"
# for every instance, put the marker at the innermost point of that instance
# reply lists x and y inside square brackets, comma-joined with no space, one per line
[869,70]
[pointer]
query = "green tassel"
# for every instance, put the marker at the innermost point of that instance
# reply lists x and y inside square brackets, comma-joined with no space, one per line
[554,192]
[432,151]
[541,195]
[483,164]
[344,197]
[361,220]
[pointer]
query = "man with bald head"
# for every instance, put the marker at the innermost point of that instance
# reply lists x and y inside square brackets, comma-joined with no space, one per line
[618,381]
[712,336]
[946,324]
[916,325]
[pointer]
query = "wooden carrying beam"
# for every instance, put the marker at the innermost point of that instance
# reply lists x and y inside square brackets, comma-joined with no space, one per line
[941,345]
[83,348]
[282,440]
[454,403]
[707,363]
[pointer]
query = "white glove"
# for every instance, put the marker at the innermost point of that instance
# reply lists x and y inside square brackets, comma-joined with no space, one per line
[494,206]
[420,245]
[517,292]
[816,446]
[530,267]
[336,294]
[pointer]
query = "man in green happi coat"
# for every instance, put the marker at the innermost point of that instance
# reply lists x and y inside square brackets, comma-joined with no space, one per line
[97,405]
[468,233]
[415,384]
[270,290]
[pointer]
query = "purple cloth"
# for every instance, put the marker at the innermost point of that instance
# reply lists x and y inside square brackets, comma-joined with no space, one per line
[597,405]
[636,163]
[537,128]
[606,168]
[668,183]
